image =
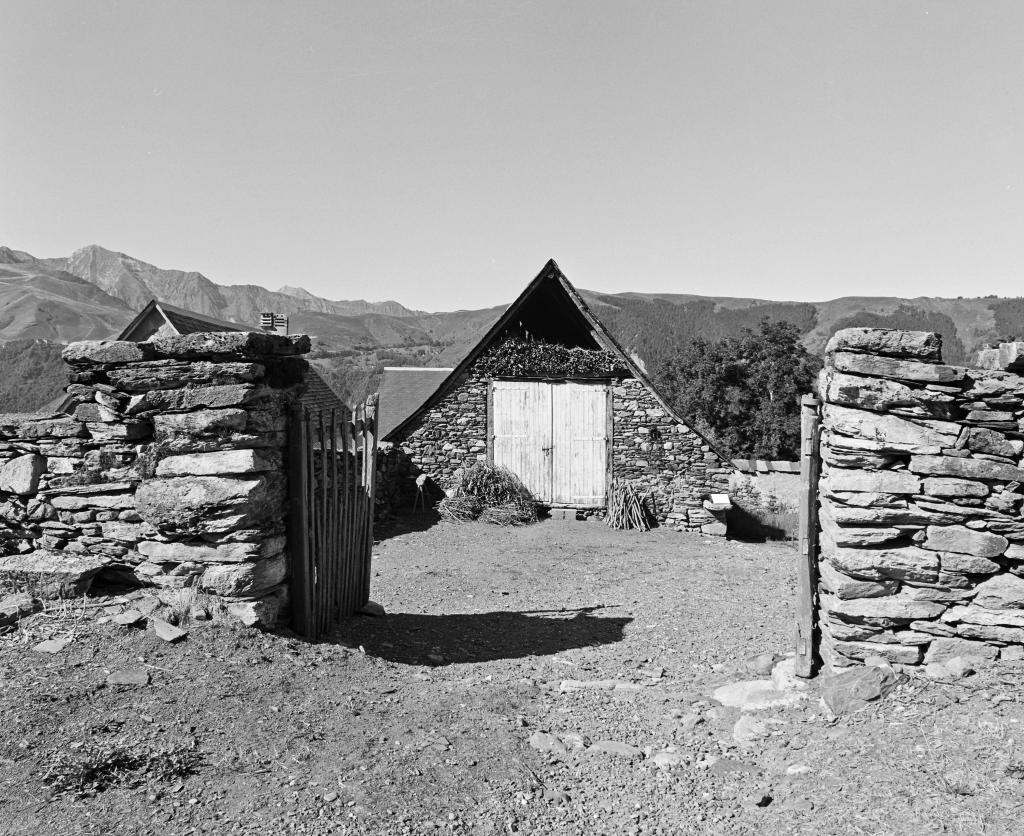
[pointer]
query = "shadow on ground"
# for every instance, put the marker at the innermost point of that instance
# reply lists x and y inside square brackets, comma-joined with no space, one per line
[405,523]
[424,639]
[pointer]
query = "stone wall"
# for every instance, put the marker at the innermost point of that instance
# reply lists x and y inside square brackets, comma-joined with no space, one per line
[922,538]
[169,471]
[665,460]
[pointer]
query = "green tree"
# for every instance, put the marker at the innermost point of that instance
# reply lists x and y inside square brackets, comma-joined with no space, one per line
[744,391]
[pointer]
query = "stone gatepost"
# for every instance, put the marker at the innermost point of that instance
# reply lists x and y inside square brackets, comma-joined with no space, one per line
[168,472]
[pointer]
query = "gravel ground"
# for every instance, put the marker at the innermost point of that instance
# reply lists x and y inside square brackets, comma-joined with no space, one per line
[456,712]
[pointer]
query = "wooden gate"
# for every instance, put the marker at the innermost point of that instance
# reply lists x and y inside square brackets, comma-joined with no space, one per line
[332,467]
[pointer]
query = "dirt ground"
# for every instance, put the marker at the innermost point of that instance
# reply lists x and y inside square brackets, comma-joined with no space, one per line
[435,718]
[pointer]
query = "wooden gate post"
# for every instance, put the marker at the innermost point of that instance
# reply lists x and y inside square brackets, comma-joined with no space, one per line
[807,558]
[301,587]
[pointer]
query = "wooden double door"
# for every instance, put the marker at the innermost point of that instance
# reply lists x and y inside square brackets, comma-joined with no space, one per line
[554,436]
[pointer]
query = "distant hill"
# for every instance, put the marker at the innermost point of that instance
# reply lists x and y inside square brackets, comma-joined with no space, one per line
[33,375]
[94,292]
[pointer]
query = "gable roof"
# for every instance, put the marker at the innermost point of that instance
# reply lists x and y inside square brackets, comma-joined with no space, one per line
[181,320]
[552,280]
[402,390]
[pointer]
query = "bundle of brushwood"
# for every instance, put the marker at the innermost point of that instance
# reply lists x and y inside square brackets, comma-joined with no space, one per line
[626,508]
[488,493]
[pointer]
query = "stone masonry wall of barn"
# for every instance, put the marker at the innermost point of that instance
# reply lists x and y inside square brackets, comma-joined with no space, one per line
[922,535]
[168,473]
[666,461]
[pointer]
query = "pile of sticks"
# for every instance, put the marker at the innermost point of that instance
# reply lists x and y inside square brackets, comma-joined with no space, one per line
[626,508]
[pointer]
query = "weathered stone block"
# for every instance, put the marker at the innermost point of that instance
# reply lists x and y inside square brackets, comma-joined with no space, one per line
[197,397]
[889,609]
[1003,591]
[975,614]
[245,580]
[91,501]
[920,345]
[198,552]
[965,468]
[991,633]
[209,504]
[220,463]
[63,427]
[913,370]
[89,352]
[889,433]
[981,440]
[879,481]
[957,538]
[242,343]
[966,564]
[201,422]
[954,488]
[170,374]
[844,586]
[51,574]
[902,563]
[943,649]
[21,475]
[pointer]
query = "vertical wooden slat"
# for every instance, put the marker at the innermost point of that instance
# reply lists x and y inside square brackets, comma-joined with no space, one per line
[808,535]
[332,615]
[345,549]
[322,520]
[360,510]
[298,520]
[371,490]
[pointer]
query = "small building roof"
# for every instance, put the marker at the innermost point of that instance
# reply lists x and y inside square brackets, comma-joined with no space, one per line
[403,390]
[182,321]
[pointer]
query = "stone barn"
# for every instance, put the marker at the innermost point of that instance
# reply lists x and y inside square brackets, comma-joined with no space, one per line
[548,393]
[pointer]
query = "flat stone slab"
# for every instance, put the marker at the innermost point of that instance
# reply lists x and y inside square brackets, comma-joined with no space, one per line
[132,677]
[167,631]
[52,645]
[128,618]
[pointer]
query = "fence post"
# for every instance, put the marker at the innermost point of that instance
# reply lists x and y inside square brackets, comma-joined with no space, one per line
[807,558]
[298,522]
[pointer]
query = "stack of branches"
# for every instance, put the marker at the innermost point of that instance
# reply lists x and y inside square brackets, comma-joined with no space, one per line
[492,494]
[626,508]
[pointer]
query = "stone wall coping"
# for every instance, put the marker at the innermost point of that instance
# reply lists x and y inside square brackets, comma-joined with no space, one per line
[766,466]
[198,346]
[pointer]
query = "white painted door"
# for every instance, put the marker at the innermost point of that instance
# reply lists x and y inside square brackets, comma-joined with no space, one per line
[554,436]
[580,431]
[522,432]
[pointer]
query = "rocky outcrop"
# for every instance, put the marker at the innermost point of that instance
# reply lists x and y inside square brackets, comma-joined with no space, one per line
[922,538]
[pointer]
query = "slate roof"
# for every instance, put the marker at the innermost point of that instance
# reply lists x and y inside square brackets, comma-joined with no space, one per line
[403,389]
[181,320]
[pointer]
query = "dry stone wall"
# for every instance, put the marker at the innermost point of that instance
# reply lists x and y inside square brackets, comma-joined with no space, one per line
[168,473]
[921,532]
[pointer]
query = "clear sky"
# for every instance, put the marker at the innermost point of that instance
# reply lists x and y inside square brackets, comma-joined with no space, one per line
[438,153]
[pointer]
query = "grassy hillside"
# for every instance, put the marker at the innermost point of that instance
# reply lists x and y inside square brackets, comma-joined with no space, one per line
[33,375]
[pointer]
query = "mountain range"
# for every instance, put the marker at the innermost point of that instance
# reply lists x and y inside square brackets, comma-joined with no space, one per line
[95,292]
